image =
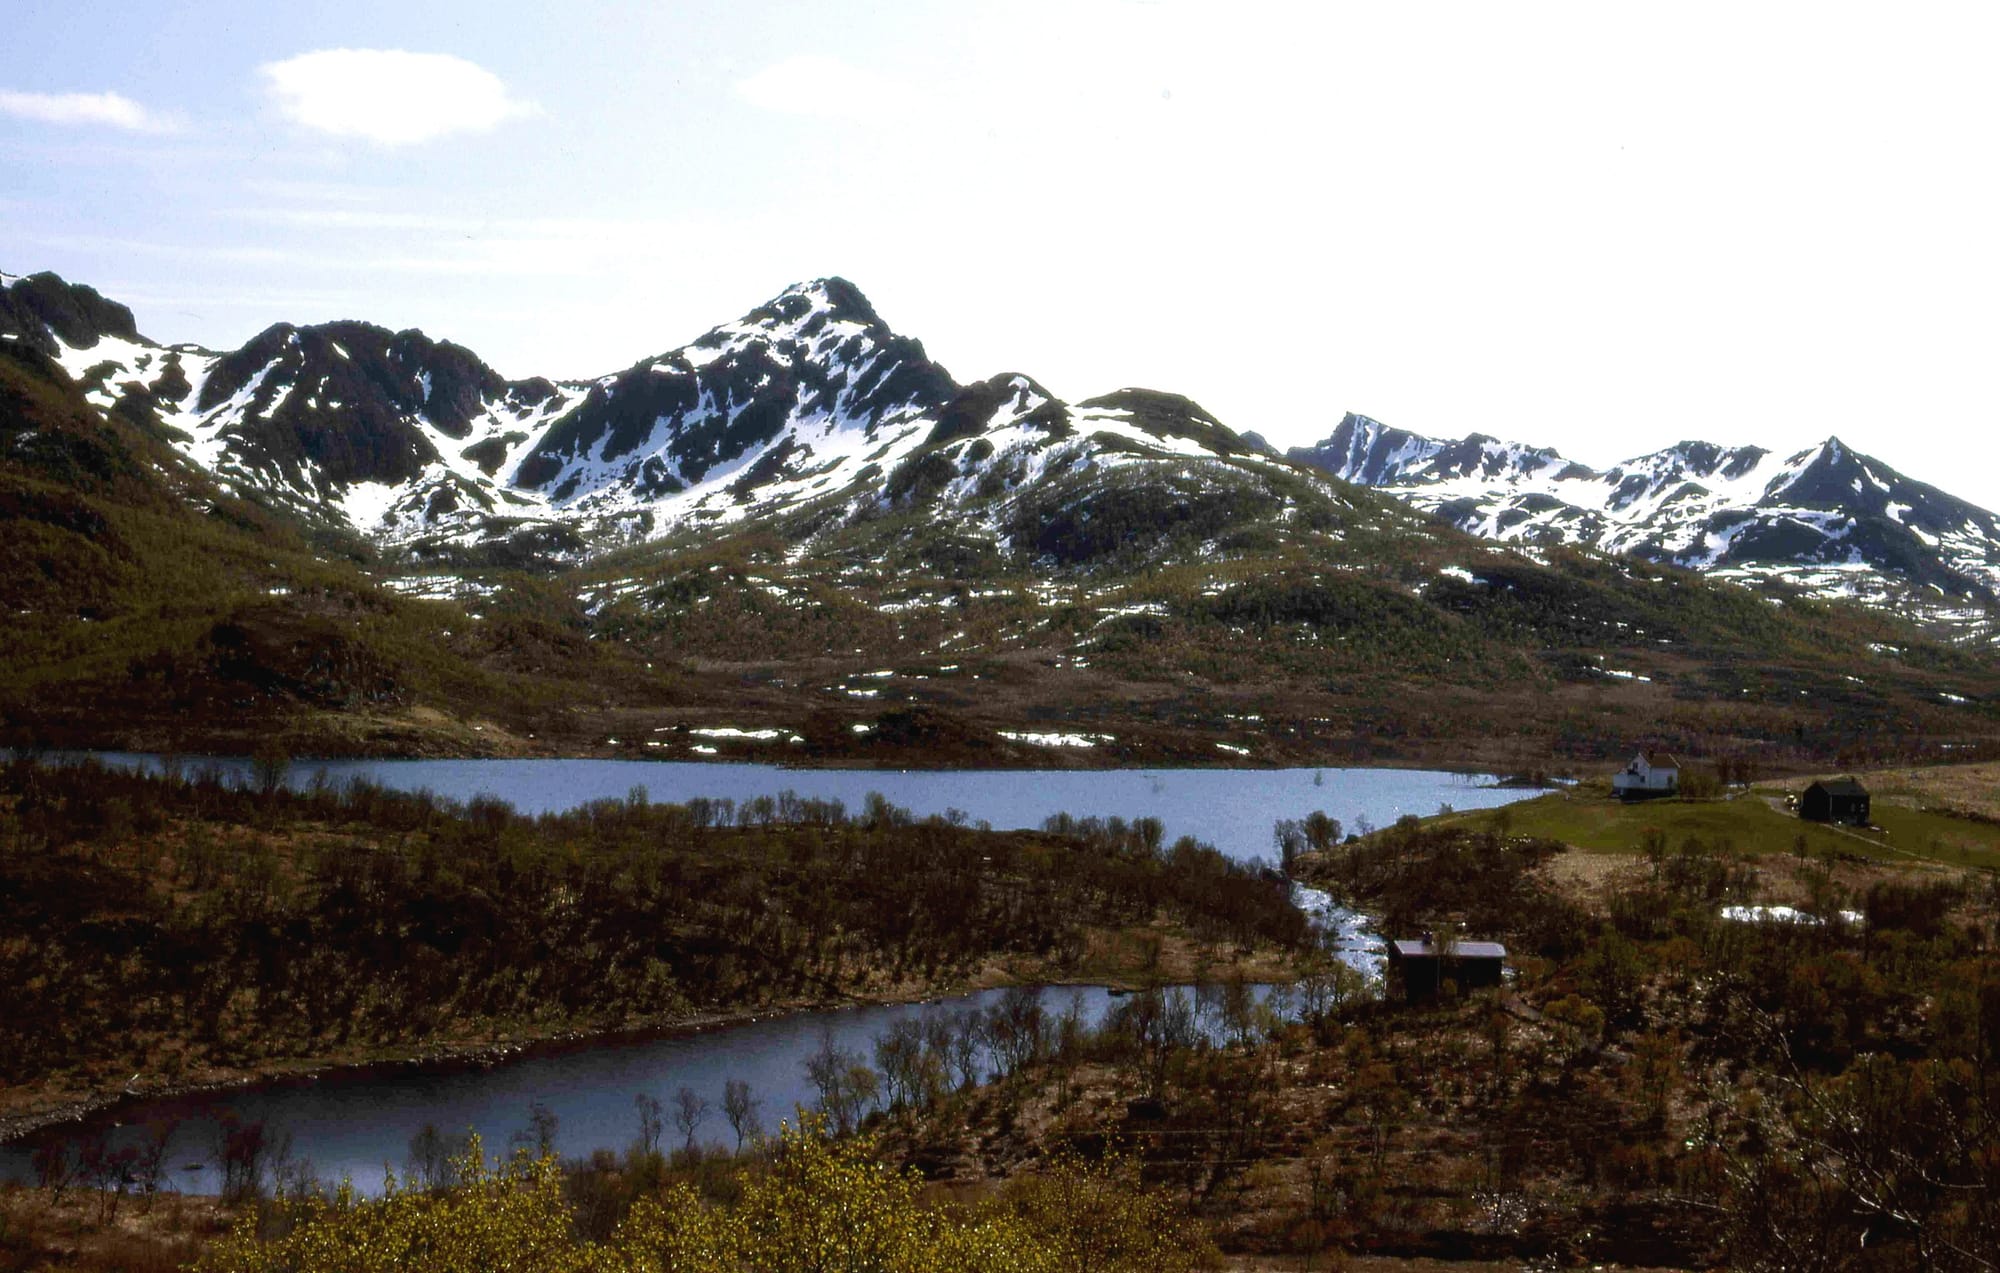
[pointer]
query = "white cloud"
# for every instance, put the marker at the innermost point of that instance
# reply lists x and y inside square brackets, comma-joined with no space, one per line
[391,96]
[814,85]
[84,108]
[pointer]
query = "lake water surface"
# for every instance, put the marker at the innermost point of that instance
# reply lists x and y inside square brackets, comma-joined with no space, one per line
[356,1123]
[1232,809]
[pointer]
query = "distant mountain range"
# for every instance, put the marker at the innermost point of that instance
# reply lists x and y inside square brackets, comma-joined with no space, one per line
[1827,520]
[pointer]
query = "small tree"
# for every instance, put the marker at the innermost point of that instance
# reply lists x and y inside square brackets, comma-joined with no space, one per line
[105,1171]
[1289,838]
[824,1067]
[1014,1028]
[430,1158]
[55,1170]
[1322,831]
[740,1108]
[244,1150]
[845,1084]
[899,1058]
[967,1039]
[149,1165]
[690,1109]
[269,765]
[649,1122]
[540,1133]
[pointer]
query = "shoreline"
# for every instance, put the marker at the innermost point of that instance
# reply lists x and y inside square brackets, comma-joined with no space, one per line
[488,1052]
[1056,760]
[460,1054]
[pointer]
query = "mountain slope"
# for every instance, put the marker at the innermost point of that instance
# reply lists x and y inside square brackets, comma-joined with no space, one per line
[1827,520]
[798,538]
[147,606]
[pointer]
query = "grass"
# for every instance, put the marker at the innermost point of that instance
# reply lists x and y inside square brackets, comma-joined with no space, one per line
[1939,837]
[1595,822]
[1971,788]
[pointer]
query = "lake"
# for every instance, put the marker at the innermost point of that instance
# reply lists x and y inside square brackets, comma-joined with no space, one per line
[1232,809]
[354,1123]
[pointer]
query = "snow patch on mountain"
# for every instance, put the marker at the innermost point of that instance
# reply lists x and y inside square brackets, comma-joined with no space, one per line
[807,404]
[1826,519]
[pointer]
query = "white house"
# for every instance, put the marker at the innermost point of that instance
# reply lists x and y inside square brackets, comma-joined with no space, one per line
[1650,774]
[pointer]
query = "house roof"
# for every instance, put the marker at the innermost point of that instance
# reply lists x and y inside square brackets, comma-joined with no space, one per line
[1841,787]
[1421,949]
[1661,759]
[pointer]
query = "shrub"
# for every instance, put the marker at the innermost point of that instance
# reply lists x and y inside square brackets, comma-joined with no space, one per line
[819,1206]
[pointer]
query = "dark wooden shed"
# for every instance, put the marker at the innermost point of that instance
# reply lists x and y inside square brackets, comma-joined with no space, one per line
[1837,800]
[1424,965]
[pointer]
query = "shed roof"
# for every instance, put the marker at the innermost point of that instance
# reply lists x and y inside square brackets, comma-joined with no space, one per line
[1421,949]
[1841,787]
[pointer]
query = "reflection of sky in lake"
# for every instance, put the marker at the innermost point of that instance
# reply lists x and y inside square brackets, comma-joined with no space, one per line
[1232,809]
[354,1123]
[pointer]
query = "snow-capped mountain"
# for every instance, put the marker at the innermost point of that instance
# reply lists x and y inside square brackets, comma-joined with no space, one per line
[811,408]
[808,401]
[1828,519]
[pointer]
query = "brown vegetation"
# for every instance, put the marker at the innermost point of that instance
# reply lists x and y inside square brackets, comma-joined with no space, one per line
[1656,1086]
[165,931]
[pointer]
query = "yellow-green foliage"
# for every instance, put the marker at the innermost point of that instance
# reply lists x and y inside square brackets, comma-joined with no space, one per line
[510,1218]
[818,1206]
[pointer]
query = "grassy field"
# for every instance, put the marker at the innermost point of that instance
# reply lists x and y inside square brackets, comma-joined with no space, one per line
[1971,788]
[1751,822]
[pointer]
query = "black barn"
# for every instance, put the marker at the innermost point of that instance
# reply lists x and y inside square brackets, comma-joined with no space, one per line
[1838,800]
[1423,966]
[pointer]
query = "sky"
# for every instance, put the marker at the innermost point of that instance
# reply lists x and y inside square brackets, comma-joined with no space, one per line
[1599,227]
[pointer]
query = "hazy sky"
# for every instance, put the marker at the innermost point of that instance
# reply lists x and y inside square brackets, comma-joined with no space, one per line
[1602,227]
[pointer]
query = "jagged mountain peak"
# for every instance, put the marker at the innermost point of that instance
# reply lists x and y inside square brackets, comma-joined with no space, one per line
[1827,518]
[1007,400]
[777,396]
[1360,432]
[808,311]
[833,295]
[346,387]
[1692,463]
[398,434]
[1710,458]
[44,308]
[1365,451]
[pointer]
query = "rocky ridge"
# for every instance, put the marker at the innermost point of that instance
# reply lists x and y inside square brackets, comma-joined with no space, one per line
[1827,520]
